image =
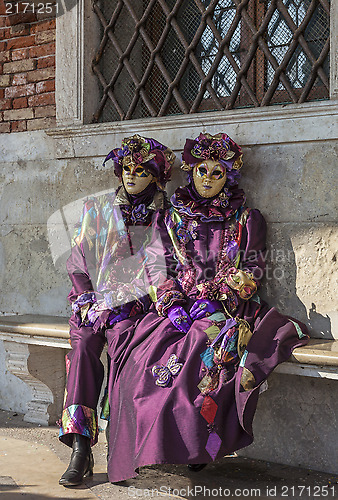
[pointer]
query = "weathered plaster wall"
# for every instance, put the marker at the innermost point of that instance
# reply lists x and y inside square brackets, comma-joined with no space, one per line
[32,191]
[294,185]
[296,423]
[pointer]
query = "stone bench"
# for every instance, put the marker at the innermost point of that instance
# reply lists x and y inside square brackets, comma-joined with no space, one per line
[36,346]
[319,358]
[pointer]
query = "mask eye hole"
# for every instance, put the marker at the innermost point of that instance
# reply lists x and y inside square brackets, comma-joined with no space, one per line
[217,174]
[202,171]
[140,172]
[126,169]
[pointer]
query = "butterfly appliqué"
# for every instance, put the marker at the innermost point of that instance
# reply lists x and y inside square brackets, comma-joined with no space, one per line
[164,373]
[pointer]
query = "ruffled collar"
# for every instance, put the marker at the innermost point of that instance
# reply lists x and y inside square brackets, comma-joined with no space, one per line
[151,201]
[188,202]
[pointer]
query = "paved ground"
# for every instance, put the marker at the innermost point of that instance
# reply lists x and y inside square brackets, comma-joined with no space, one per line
[32,460]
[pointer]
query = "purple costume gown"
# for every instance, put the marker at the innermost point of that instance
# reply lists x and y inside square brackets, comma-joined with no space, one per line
[190,398]
[106,255]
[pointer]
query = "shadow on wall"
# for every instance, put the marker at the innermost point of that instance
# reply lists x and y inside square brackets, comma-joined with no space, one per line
[322,324]
[281,284]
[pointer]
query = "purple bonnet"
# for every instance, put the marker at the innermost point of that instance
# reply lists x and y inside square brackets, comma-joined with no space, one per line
[151,154]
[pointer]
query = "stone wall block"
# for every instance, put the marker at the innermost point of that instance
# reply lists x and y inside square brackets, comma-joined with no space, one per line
[41,123]
[20,102]
[20,90]
[301,413]
[46,62]
[42,50]
[293,182]
[43,26]
[5,56]
[19,66]
[45,86]
[20,30]
[20,42]
[21,17]
[41,74]
[5,104]
[42,99]
[5,128]
[44,111]
[18,114]
[5,80]
[33,190]
[44,289]
[19,54]
[38,148]
[45,36]
[19,79]
[18,126]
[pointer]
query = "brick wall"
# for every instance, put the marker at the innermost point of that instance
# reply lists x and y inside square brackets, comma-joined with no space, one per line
[27,70]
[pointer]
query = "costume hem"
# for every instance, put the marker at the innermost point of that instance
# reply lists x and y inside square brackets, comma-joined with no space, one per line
[78,419]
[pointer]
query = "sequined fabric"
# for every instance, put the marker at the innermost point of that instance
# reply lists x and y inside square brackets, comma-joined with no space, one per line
[78,419]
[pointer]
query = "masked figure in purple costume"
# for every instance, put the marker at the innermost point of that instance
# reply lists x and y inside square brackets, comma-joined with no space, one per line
[185,378]
[106,259]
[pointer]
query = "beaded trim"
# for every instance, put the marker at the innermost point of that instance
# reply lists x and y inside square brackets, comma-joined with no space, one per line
[168,299]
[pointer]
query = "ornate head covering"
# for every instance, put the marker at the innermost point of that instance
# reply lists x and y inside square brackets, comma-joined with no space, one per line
[214,147]
[136,150]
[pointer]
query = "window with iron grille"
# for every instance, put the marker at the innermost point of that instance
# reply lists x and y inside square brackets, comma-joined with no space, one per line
[165,57]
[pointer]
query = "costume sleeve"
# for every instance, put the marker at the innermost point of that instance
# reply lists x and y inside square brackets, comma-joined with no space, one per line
[162,262]
[81,264]
[245,279]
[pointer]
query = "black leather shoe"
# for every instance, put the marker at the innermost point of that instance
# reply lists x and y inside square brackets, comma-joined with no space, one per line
[196,467]
[81,462]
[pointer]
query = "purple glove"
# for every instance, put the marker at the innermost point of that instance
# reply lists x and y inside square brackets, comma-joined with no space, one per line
[116,317]
[204,306]
[179,318]
[82,300]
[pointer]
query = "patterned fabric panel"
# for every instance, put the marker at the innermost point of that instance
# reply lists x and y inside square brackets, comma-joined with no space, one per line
[78,419]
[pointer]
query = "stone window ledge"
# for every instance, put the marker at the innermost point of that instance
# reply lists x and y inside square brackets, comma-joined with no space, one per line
[292,123]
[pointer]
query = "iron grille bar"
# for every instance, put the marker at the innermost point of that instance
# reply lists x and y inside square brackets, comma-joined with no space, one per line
[314,71]
[189,51]
[292,47]
[240,72]
[301,38]
[258,38]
